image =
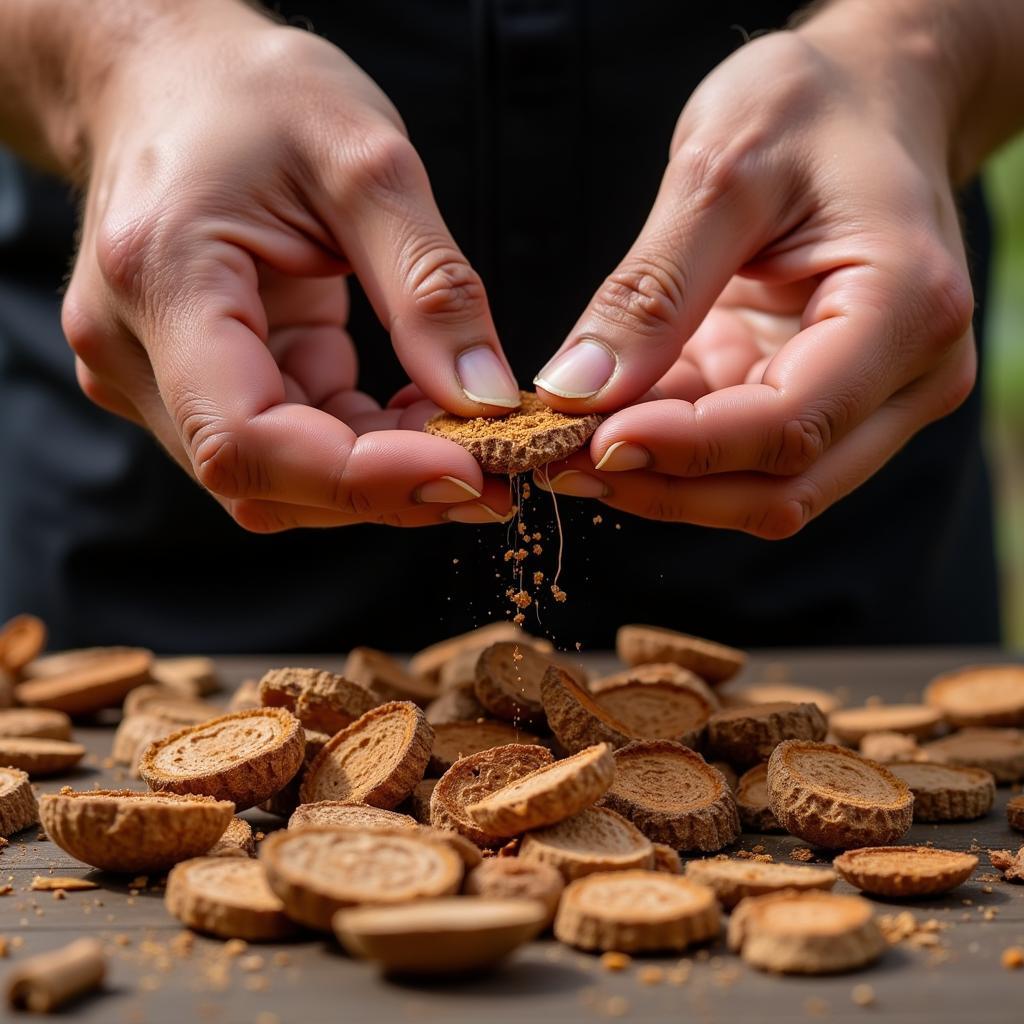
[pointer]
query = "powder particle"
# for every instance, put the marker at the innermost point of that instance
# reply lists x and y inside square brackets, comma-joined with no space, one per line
[597,520]
[50,883]
[863,995]
[613,961]
[538,578]
[537,549]
[650,975]
[1013,958]
[802,853]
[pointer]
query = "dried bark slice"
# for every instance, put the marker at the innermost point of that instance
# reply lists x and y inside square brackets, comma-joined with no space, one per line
[322,701]
[18,807]
[1011,865]
[227,897]
[6,688]
[123,831]
[189,676]
[886,747]
[428,663]
[851,725]
[734,880]
[947,793]
[748,735]
[237,840]
[673,796]
[285,800]
[455,706]
[596,839]
[979,695]
[576,718]
[636,911]
[659,711]
[336,812]
[806,932]
[512,879]
[101,682]
[1015,813]
[22,639]
[246,697]
[317,871]
[40,757]
[134,735]
[752,801]
[658,673]
[774,693]
[904,871]
[728,772]
[244,757]
[60,662]
[54,725]
[508,676]
[715,663]
[473,778]
[45,982]
[156,699]
[418,804]
[386,677]
[547,795]
[666,859]
[999,751]
[832,797]
[455,740]
[526,438]
[441,936]
[377,760]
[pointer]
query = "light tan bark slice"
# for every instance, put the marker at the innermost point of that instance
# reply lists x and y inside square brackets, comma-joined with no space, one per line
[244,757]
[636,911]
[61,662]
[998,751]
[101,682]
[156,699]
[21,639]
[713,662]
[386,677]
[832,797]
[134,735]
[774,693]
[749,735]
[246,697]
[905,871]
[886,747]
[284,801]
[666,859]
[190,676]
[439,937]
[455,706]
[335,812]
[658,673]
[54,725]
[428,663]
[455,740]
[947,793]
[126,831]
[473,778]
[851,725]
[659,711]
[728,772]
[547,795]
[6,688]
[979,695]
[317,871]
[673,796]
[806,932]
[228,897]
[752,801]
[576,718]
[376,760]
[237,840]
[322,701]
[1015,813]
[46,982]
[40,757]
[18,807]
[418,804]
[511,879]
[733,880]
[508,676]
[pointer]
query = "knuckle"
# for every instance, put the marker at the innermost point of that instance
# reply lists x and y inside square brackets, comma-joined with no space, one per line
[779,519]
[715,173]
[383,163]
[797,444]
[443,286]
[219,454]
[644,295]
[949,298]
[122,251]
[254,517]
[82,329]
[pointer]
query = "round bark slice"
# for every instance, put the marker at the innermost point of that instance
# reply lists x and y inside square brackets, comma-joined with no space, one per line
[246,696]
[944,792]
[317,871]
[576,718]
[999,751]
[44,724]
[100,682]
[657,673]
[526,438]
[376,760]
[386,677]
[979,695]
[439,937]
[418,803]
[335,812]
[472,779]
[851,725]
[806,932]
[636,911]
[40,757]
[154,699]
[666,859]
[887,747]
[124,831]
[715,663]
[284,801]
[547,795]
[659,711]
[244,757]
[427,664]
[21,639]
[734,880]
[18,807]
[455,706]
[322,701]
[903,871]
[456,740]
[236,841]
[227,897]
[190,676]
[1015,813]
[134,735]
[748,735]
[61,662]
[596,839]
[832,797]
[752,801]
[508,676]
[510,878]
[775,693]
[673,796]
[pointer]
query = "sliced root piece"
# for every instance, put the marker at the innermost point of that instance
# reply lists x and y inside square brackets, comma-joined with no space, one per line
[752,801]
[979,695]
[511,878]
[713,662]
[455,740]
[905,871]
[998,751]
[748,735]
[386,677]
[851,725]
[946,793]
[734,880]
[18,807]
[575,716]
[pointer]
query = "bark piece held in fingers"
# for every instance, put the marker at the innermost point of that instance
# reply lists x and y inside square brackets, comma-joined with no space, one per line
[943,792]
[713,662]
[733,880]
[999,751]
[511,878]
[547,795]
[22,639]
[455,740]
[886,747]
[806,932]
[189,676]
[526,438]
[39,722]
[18,807]
[386,677]
[832,797]
[905,871]
[40,757]
[439,936]
[377,760]
[673,796]
[1015,813]
[659,711]
[658,674]
[774,693]
[474,778]
[100,682]
[227,897]
[46,982]
[336,812]
[237,840]
[123,831]
[752,801]
[244,757]
[508,676]
[636,912]
[317,871]
[455,706]
[427,663]
[851,725]
[284,801]
[576,718]
[979,695]
[748,735]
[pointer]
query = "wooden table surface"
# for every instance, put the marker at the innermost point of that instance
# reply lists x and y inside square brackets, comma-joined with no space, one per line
[154,977]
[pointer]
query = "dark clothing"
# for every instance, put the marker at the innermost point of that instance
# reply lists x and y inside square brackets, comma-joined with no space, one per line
[544,125]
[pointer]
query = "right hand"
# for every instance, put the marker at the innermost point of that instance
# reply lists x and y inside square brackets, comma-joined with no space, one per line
[237,172]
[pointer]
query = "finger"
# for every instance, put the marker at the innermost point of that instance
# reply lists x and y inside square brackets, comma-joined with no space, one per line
[405,396]
[105,396]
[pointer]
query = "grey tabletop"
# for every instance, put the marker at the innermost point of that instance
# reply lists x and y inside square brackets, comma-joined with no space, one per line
[158,974]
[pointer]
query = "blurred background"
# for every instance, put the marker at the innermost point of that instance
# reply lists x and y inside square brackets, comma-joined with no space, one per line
[1004,378]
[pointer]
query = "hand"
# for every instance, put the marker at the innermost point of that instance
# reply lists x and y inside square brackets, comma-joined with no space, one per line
[798,300]
[237,172]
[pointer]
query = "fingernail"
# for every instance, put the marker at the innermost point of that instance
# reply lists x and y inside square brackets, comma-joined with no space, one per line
[476,513]
[623,456]
[446,489]
[574,483]
[484,378]
[579,372]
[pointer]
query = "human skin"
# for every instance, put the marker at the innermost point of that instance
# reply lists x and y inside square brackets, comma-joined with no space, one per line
[798,299]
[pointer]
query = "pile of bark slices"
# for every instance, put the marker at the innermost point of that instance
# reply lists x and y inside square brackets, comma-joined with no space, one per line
[442,812]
